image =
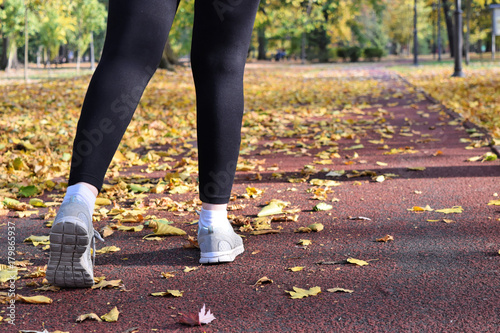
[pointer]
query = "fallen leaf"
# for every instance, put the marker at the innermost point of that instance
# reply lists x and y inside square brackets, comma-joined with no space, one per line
[357,262]
[386,238]
[108,249]
[359,218]
[304,242]
[203,317]
[35,202]
[37,240]
[162,229]
[111,316]
[102,202]
[322,206]
[168,275]
[421,209]
[494,202]
[264,232]
[335,290]
[301,293]
[175,293]
[189,269]
[86,316]
[296,268]
[34,299]
[453,210]
[415,168]
[263,280]
[108,284]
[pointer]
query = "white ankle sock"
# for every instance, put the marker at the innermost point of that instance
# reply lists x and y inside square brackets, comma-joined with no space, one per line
[213,218]
[83,193]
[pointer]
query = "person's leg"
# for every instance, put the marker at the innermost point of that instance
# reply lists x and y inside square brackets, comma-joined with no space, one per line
[221,37]
[136,34]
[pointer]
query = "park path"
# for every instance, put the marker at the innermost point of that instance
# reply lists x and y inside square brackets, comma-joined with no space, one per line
[441,273]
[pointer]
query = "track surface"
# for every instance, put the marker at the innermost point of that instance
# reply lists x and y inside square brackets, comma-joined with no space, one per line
[434,276]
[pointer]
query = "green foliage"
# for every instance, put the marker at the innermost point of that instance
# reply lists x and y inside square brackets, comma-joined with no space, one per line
[371,53]
[354,53]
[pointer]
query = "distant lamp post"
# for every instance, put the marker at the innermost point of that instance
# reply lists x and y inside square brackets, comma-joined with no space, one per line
[415,35]
[458,40]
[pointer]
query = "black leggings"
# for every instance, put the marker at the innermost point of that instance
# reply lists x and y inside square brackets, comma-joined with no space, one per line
[136,34]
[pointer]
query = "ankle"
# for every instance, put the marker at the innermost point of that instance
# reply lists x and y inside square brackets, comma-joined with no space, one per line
[213,207]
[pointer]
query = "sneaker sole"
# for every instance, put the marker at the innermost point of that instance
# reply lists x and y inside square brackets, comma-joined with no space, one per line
[68,242]
[220,257]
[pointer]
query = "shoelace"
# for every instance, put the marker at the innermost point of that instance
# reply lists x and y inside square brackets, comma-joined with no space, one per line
[98,236]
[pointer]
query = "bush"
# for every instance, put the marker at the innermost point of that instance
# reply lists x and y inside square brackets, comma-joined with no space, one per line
[370,53]
[354,53]
[342,53]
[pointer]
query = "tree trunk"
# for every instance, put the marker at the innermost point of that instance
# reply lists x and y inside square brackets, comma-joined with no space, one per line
[448,16]
[3,56]
[261,37]
[12,62]
[168,59]
[467,36]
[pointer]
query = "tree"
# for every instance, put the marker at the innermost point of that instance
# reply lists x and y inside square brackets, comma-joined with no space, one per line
[56,24]
[90,18]
[12,18]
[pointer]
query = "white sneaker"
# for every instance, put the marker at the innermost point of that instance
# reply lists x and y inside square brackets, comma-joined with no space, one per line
[219,245]
[71,237]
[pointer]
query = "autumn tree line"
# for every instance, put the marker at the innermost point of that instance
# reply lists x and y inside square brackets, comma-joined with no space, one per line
[54,31]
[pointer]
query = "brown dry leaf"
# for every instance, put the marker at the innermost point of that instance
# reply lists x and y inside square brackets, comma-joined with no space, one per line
[106,231]
[109,284]
[419,209]
[304,242]
[168,275]
[86,316]
[33,299]
[265,232]
[263,280]
[47,288]
[386,238]
[40,272]
[192,243]
[303,230]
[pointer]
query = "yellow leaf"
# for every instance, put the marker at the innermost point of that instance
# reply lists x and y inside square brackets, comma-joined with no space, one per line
[162,229]
[34,299]
[334,290]
[37,240]
[102,202]
[494,202]
[316,227]
[189,269]
[133,229]
[421,209]
[111,316]
[35,202]
[26,213]
[304,242]
[108,249]
[357,262]
[415,168]
[296,268]
[175,293]
[453,210]
[108,284]
[381,163]
[301,293]
[7,274]
[168,275]
[386,238]
[274,207]
[87,316]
